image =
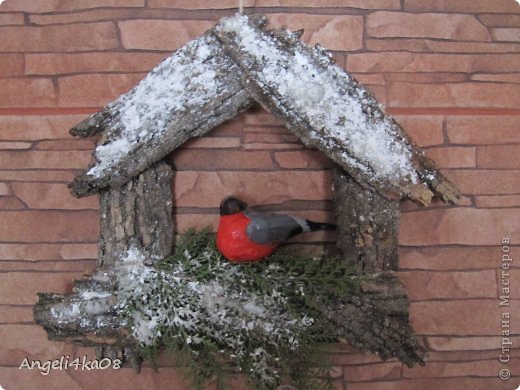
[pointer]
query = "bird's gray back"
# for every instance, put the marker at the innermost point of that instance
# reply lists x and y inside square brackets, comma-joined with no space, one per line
[273,228]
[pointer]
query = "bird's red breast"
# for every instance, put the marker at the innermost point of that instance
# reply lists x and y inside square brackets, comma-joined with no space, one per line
[233,242]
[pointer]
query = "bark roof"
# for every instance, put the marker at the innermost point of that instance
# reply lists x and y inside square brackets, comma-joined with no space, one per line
[197,88]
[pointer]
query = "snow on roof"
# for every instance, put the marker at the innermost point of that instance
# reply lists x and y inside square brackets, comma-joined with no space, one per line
[370,142]
[206,82]
[163,92]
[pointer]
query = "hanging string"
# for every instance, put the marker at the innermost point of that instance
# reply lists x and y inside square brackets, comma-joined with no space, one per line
[241,7]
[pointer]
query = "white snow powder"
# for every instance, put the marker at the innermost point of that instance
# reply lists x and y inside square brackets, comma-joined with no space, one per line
[178,83]
[337,117]
[66,313]
[87,295]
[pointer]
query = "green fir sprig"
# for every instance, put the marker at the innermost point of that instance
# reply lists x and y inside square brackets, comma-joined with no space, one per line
[263,318]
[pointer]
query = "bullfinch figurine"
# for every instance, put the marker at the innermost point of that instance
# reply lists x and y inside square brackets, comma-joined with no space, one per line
[248,236]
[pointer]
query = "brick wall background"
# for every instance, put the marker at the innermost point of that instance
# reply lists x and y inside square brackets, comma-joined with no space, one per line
[448,70]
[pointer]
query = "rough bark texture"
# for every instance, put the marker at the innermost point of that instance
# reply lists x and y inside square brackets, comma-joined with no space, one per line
[276,100]
[88,317]
[94,124]
[57,313]
[194,119]
[137,215]
[377,320]
[368,225]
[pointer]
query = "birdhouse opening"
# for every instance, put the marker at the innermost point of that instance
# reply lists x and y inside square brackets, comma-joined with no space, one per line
[255,157]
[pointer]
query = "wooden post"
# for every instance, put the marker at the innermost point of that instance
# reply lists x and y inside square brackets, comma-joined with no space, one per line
[138,215]
[368,225]
[378,318]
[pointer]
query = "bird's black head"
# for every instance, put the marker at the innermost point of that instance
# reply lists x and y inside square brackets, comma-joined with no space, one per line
[232,205]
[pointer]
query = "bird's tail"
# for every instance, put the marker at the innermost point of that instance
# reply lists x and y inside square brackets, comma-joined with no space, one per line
[314,226]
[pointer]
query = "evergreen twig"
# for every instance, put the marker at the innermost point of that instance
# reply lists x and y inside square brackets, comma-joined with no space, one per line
[263,317]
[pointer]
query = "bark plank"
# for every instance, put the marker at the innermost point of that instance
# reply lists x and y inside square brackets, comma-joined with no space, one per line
[185,96]
[307,91]
[368,225]
[376,320]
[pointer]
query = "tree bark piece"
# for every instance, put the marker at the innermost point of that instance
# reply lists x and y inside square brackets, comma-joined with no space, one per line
[136,215]
[328,109]
[186,95]
[85,317]
[139,215]
[368,225]
[376,320]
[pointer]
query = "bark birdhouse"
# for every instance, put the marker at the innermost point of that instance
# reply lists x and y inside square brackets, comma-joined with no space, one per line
[233,66]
